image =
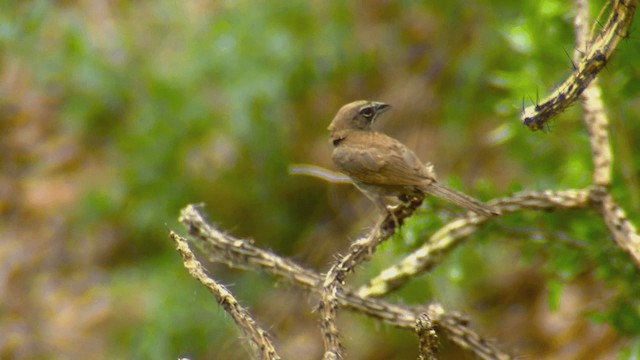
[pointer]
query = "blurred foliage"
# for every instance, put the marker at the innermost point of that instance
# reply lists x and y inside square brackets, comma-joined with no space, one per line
[114,115]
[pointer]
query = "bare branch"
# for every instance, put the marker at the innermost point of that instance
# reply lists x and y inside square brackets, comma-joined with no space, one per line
[595,59]
[240,253]
[452,234]
[428,339]
[359,251]
[597,122]
[460,333]
[595,117]
[259,337]
[581,30]
[234,252]
[623,231]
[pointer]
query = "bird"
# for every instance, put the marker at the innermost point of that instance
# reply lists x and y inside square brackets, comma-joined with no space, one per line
[382,167]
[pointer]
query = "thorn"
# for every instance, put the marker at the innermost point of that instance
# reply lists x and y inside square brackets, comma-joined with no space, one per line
[629,35]
[570,59]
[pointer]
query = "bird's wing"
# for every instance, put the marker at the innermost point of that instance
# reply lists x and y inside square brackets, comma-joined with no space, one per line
[377,159]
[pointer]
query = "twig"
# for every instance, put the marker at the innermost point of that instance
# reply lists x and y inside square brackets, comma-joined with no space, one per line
[595,59]
[328,307]
[234,252]
[597,124]
[595,117]
[623,231]
[453,233]
[240,253]
[581,30]
[460,333]
[427,337]
[596,121]
[259,337]
[359,251]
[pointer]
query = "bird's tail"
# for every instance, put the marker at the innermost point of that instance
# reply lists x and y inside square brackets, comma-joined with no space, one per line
[460,199]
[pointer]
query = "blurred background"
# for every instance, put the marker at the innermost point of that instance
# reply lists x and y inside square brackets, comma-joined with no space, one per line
[115,114]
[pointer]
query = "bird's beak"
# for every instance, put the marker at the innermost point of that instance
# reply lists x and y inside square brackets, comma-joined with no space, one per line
[380,107]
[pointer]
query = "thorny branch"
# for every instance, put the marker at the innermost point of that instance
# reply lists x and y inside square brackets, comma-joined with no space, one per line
[623,231]
[359,251]
[452,234]
[595,117]
[221,247]
[597,123]
[428,338]
[259,337]
[596,57]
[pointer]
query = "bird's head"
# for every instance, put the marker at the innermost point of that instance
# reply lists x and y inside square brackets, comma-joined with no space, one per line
[358,115]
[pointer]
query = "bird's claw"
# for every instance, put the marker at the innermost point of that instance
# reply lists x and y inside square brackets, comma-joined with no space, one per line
[391,210]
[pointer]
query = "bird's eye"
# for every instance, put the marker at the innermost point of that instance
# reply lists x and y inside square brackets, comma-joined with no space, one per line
[367,112]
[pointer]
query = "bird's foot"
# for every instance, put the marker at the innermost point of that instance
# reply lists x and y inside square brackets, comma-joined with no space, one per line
[392,210]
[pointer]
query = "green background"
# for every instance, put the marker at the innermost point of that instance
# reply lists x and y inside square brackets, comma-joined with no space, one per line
[114,115]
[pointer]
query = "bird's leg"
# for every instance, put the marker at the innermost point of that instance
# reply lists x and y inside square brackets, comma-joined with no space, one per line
[408,203]
[411,202]
[405,199]
[392,210]
[385,209]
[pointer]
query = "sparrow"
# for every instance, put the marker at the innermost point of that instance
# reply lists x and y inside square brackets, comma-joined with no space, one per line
[381,166]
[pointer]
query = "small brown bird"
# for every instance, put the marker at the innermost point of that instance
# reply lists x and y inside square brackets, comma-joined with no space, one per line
[381,166]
